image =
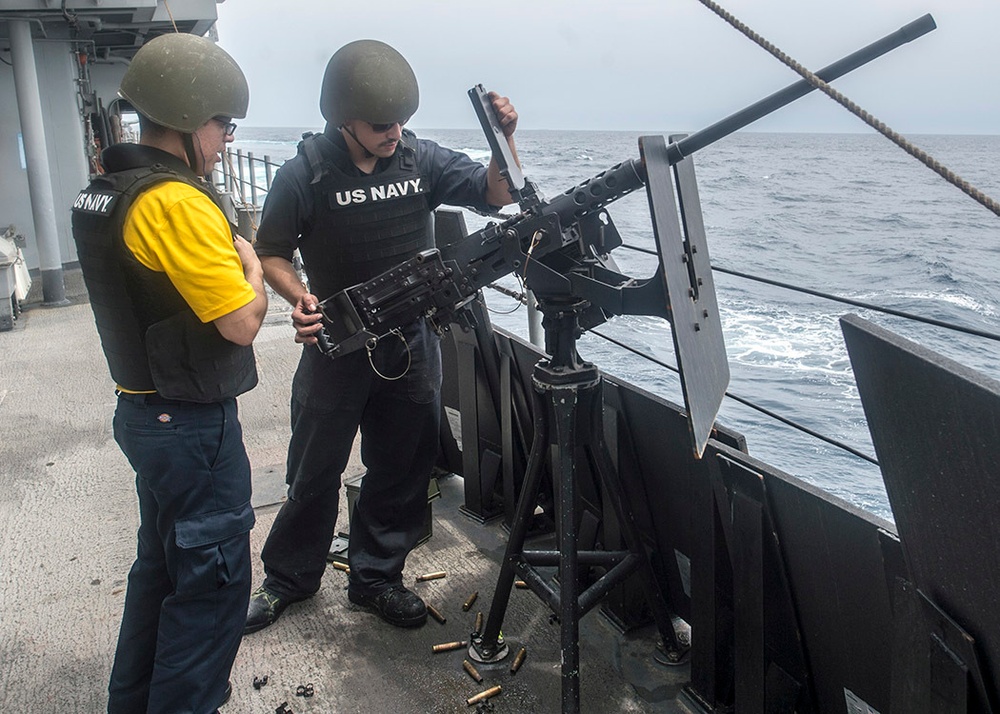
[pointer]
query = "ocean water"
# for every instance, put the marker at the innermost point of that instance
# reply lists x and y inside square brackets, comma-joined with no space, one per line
[846,214]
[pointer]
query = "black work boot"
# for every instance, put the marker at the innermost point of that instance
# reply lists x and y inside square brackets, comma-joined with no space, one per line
[264,609]
[396,605]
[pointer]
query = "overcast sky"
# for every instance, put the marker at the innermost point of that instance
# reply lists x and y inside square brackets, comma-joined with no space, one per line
[659,65]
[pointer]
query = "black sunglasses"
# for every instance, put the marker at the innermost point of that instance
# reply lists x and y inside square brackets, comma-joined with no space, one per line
[382,128]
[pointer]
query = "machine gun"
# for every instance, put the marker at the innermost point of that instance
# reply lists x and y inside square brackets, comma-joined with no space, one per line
[562,249]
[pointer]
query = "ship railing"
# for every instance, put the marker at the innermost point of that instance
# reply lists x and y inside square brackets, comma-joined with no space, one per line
[247,178]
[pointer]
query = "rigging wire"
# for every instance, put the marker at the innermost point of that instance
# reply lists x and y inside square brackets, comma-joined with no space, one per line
[837,298]
[817,293]
[745,402]
[859,303]
[880,126]
[166,4]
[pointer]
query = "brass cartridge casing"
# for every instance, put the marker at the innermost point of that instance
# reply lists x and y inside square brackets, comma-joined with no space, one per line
[483,696]
[518,660]
[448,646]
[471,669]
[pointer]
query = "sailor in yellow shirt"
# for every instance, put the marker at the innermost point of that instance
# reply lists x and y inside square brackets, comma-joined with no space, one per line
[177,300]
[175,229]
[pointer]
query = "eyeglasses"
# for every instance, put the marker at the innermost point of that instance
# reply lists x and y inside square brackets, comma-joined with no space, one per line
[230,127]
[383,128]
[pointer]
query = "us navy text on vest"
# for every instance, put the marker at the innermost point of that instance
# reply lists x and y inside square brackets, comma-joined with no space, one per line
[94,202]
[382,192]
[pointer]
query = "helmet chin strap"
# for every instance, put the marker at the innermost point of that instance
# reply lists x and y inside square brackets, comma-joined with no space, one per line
[192,157]
[364,148]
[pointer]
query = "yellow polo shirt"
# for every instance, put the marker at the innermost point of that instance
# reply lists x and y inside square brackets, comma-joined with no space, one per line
[176,229]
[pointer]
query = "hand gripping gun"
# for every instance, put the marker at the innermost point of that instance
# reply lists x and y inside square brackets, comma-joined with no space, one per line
[562,248]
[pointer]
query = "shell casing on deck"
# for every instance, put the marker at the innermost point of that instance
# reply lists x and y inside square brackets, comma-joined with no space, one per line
[341,566]
[449,646]
[483,696]
[471,669]
[518,660]
[468,603]
[436,614]
[520,584]
[479,623]
[431,576]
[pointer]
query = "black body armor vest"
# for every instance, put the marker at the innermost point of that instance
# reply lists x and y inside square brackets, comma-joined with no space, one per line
[363,225]
[151,338]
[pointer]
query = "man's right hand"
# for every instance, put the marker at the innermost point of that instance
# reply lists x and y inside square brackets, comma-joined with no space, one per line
[241,325]
[306,319]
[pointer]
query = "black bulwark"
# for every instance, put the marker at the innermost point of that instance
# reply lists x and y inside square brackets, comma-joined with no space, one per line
[935,425]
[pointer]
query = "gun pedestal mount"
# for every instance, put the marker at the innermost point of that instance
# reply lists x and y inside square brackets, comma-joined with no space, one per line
[568,426]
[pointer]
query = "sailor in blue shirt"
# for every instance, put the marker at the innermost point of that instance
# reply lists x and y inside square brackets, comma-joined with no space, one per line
[356,201]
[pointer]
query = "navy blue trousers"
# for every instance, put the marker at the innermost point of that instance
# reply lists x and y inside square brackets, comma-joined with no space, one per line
[189,587]
[398,420]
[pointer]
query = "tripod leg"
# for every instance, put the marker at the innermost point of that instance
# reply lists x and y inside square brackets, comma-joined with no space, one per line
[564,407]
[487,645]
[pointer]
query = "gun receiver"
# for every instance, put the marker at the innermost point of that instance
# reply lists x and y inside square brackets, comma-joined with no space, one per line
[560,246]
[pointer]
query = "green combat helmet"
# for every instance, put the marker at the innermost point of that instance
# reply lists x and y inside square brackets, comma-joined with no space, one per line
[180,81]
[368,80]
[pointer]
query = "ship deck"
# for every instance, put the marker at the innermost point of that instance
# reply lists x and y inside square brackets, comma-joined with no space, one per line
[68,517]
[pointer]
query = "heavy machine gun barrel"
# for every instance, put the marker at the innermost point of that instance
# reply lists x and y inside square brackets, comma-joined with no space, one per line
[439,283]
